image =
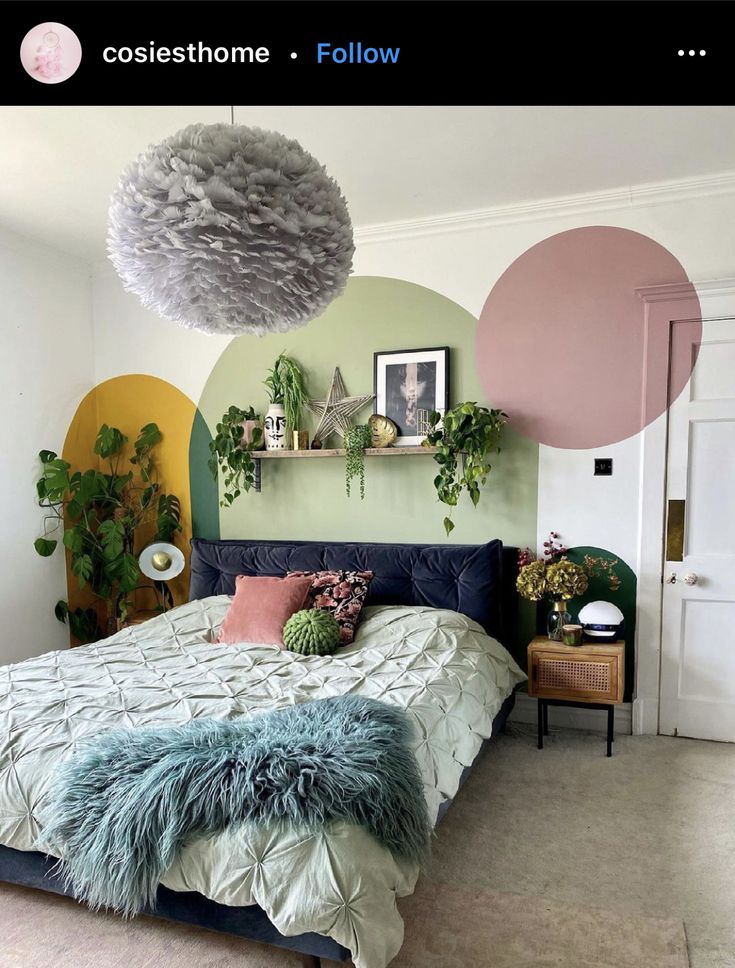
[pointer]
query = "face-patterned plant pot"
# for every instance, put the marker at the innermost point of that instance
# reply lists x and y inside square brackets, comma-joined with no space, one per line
[275,427]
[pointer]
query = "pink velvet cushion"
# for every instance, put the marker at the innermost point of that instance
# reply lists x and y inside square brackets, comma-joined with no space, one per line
[261,607]
[340,592]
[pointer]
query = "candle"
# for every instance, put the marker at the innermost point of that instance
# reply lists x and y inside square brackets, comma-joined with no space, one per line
[571,634]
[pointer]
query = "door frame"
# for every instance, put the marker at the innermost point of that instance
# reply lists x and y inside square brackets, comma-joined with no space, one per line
[663,305]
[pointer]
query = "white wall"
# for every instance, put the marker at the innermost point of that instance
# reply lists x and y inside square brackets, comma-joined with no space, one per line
[46,366]
[129,339]
[462,258]
[45,293]
[464,264]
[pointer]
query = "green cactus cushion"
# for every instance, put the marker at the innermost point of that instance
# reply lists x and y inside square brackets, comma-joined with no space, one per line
[312,631]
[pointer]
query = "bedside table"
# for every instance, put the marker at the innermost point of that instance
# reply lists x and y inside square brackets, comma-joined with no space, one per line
[576,675]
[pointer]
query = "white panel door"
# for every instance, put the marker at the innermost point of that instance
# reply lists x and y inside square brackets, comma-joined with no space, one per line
[698,632]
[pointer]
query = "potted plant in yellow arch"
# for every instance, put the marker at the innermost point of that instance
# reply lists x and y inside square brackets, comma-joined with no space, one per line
[101,512]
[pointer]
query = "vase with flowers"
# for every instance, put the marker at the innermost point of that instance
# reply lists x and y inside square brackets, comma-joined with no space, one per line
[557,579]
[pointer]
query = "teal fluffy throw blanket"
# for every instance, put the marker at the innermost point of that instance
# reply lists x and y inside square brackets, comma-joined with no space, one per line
[121,808]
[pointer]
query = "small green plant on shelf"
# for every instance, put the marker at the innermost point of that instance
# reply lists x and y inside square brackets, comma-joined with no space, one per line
[101,512]
[465,437]
[356,440]
[285,385]
[231,452]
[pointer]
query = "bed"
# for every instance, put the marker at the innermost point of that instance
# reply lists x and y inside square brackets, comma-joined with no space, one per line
[429,642]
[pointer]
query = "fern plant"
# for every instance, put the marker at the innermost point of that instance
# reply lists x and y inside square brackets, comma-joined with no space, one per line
[467,435]
[232,454]
[101,512]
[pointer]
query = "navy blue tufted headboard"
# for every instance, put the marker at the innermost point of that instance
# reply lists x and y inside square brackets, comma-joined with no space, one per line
[464,578]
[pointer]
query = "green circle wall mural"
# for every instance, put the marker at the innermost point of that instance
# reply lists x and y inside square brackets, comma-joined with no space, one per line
[305,499]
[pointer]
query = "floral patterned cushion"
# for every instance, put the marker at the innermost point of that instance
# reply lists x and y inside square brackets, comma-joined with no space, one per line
[340,592]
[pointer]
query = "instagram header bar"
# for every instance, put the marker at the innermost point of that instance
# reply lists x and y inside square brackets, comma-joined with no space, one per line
[400,52]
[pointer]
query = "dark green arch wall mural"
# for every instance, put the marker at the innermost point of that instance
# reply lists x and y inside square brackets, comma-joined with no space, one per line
[624,598]
[203,487]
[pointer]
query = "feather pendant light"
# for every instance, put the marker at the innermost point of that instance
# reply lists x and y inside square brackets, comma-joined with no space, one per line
[229,229]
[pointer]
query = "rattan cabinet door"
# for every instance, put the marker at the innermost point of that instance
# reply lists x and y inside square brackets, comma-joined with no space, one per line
[556,675]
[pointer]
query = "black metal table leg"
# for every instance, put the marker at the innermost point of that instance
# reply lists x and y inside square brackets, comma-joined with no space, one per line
[543,717]
[610,729]
[541,724]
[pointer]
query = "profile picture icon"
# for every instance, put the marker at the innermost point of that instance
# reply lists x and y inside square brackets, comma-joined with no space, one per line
[50,53]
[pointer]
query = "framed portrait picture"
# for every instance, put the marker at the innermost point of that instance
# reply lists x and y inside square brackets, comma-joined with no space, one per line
[408,385]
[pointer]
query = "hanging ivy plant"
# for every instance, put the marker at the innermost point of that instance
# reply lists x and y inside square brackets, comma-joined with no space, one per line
[356,440]
[233,455]
[469,433]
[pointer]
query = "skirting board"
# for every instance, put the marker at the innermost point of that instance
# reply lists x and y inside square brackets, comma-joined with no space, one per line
[571,717]
[645,717]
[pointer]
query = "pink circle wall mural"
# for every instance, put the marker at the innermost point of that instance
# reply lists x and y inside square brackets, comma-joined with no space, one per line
[560,342]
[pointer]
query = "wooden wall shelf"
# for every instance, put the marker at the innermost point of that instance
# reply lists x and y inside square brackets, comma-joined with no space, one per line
[339,452]
[259,455]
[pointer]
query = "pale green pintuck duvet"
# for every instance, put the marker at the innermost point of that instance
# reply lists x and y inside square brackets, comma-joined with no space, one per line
[440,666]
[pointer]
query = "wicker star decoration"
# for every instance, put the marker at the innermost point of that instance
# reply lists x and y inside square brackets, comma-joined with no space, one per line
[334,413]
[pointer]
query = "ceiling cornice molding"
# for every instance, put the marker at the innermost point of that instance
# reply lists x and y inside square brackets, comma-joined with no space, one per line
[655,193]
[666,293]
[683,290]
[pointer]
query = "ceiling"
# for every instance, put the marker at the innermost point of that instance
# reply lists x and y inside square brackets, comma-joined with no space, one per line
[58,165]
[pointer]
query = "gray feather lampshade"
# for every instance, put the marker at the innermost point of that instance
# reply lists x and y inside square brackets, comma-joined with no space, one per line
[229,229]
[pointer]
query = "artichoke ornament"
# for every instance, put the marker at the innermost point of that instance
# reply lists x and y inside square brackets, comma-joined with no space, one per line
[312,631]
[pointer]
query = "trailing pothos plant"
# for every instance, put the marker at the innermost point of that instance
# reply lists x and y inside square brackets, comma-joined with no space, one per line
[356,440]
[232,453]
[100,512]
[465,436]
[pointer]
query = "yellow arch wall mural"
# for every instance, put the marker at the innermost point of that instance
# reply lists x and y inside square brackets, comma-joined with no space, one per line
[129,402]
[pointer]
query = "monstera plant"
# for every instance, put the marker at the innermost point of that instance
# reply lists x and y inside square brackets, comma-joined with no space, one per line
[101,511]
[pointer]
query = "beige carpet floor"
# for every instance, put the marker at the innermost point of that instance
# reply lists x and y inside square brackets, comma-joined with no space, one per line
[446,927]
[558,857]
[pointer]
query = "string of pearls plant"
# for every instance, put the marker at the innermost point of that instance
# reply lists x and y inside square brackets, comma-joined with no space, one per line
[356,440]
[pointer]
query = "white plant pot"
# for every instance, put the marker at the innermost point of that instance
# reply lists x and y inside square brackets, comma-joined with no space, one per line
[275,427]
